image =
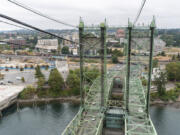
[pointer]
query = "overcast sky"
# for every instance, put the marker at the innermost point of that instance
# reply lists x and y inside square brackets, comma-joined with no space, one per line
[116,12]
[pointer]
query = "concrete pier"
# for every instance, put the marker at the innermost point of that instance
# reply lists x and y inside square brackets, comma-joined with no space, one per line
[8,95]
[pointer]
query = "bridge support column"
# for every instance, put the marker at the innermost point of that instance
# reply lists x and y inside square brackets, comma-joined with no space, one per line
[128,65]
[81,51]
[103,65]
[152,27]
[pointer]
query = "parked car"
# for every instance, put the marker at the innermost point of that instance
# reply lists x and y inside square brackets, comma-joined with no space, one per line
[2,83]
[10,82]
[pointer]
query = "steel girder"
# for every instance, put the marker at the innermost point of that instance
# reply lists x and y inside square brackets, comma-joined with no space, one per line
[137,122]
[89,120]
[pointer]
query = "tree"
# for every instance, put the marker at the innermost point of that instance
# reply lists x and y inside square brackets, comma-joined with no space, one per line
[109,51]
[55,81]
[115,59]
[21,69]
[155,63]
[73,82]
[73,79]
[163,53]
[65,50]
[41,79]
[38,72]
[22,79]
[28,92]
[160,82]
[144,81]
[40,83]
[173,71]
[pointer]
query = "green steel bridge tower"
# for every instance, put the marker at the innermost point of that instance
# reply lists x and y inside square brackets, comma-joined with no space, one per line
[99,112]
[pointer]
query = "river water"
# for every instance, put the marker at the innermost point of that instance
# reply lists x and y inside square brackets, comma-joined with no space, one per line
[42,120]
[52,119]
[166,120]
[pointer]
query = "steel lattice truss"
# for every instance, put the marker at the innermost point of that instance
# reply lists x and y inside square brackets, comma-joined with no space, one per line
[137,121]
[89,121]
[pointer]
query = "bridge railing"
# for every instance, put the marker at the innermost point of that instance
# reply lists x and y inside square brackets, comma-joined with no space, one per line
[100,127]
[154,130]
[92,104]
[72,126]
[137,122]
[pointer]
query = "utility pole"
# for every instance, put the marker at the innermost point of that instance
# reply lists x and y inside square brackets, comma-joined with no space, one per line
[81,51]
[128,65]
[152,28]
[103,52]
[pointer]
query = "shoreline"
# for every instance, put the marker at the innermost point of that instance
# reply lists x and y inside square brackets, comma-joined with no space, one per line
[160,103]
[76,100]
[73,99]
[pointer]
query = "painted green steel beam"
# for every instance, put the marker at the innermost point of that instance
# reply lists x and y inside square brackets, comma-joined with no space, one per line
[103,29]
[152,28]
[81,51]
[128,65]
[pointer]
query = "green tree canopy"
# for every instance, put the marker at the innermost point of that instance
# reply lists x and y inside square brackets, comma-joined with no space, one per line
[160,82]
[55,81]
[173,71]
[38,72]
[115,59]
[40,83]
[65,50]
[73,79]
[155,63]
[73,82]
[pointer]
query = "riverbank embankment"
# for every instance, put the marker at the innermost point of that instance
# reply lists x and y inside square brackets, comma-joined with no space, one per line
[72,99]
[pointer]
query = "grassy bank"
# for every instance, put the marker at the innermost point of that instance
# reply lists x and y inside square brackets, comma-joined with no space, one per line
[31,92]
[171,95]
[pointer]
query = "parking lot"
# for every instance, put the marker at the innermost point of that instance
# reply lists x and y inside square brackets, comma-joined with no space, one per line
[14,77]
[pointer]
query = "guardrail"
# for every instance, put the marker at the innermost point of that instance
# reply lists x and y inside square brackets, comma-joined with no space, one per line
[100,127]
[72,126]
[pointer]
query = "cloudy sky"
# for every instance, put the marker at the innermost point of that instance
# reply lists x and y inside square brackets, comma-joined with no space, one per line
[116,12]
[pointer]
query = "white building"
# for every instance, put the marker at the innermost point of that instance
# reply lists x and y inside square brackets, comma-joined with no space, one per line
[47,45]
[155,73]
[74,51]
